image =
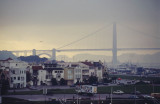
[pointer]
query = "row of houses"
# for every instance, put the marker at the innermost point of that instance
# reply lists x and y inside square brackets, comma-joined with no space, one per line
[15,72]
[70,71]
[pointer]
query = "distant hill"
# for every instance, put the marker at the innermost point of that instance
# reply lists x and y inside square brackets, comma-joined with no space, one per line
[6,54]
[128,57]
[32,59]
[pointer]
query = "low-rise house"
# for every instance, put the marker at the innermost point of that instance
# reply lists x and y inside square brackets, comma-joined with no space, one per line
[95,69]
[76,69]
[69,75]
[38,75]
[52,71]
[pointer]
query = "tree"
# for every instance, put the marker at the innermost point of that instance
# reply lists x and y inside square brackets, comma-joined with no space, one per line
[114,79]
[35,80]
[28,76]
[93,79]
[85,81]
[105,75]
[63,82]
[77,83]
[106,80]
[4,86]
[54,81]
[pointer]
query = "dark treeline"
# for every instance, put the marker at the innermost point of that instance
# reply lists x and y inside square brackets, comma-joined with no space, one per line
[32,59]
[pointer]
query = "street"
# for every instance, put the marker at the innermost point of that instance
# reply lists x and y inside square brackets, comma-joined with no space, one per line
[65,96]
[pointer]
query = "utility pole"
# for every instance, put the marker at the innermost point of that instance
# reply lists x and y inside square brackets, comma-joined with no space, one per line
[135,95]
[77,97]
[111,94]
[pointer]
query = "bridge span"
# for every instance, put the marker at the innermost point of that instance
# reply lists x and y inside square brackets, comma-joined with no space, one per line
[52,53]
[114,49]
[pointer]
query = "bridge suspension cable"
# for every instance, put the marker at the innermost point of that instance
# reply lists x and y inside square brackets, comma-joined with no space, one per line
[93,33]
[140,32]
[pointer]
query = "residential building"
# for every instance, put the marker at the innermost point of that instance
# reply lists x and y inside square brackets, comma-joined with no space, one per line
[69,75]
[38,75]
[78,74]
[52,71]
[17,72]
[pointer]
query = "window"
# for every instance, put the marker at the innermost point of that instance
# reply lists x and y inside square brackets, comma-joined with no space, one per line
[58,75]
[70,77]
[14,78]
[55,71]
[11,79]
[46,76]
[60,71]
[77,76]
[13,71]
[18,78]
[69,71]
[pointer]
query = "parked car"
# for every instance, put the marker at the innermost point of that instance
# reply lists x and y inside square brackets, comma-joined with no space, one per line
[121,84]
[100,83]
[147,96]
[32,88]
[133,97]
[136,92]
[155,95]
[94,84]
[73,85]
[118,92]
[129,83]
[105,83]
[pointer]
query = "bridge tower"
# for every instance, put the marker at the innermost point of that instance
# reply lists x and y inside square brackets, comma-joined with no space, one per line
[34,52]
[53,54]
[25,53]
[114,49]
[17,54]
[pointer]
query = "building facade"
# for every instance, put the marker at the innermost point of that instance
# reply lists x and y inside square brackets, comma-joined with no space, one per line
[17,72]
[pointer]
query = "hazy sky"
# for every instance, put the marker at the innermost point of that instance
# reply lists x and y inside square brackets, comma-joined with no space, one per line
[47,24]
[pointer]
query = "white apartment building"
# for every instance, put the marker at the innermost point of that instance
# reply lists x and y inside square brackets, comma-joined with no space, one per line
[17,72]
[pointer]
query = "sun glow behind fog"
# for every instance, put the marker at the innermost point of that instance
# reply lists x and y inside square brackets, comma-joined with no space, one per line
[44,25]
